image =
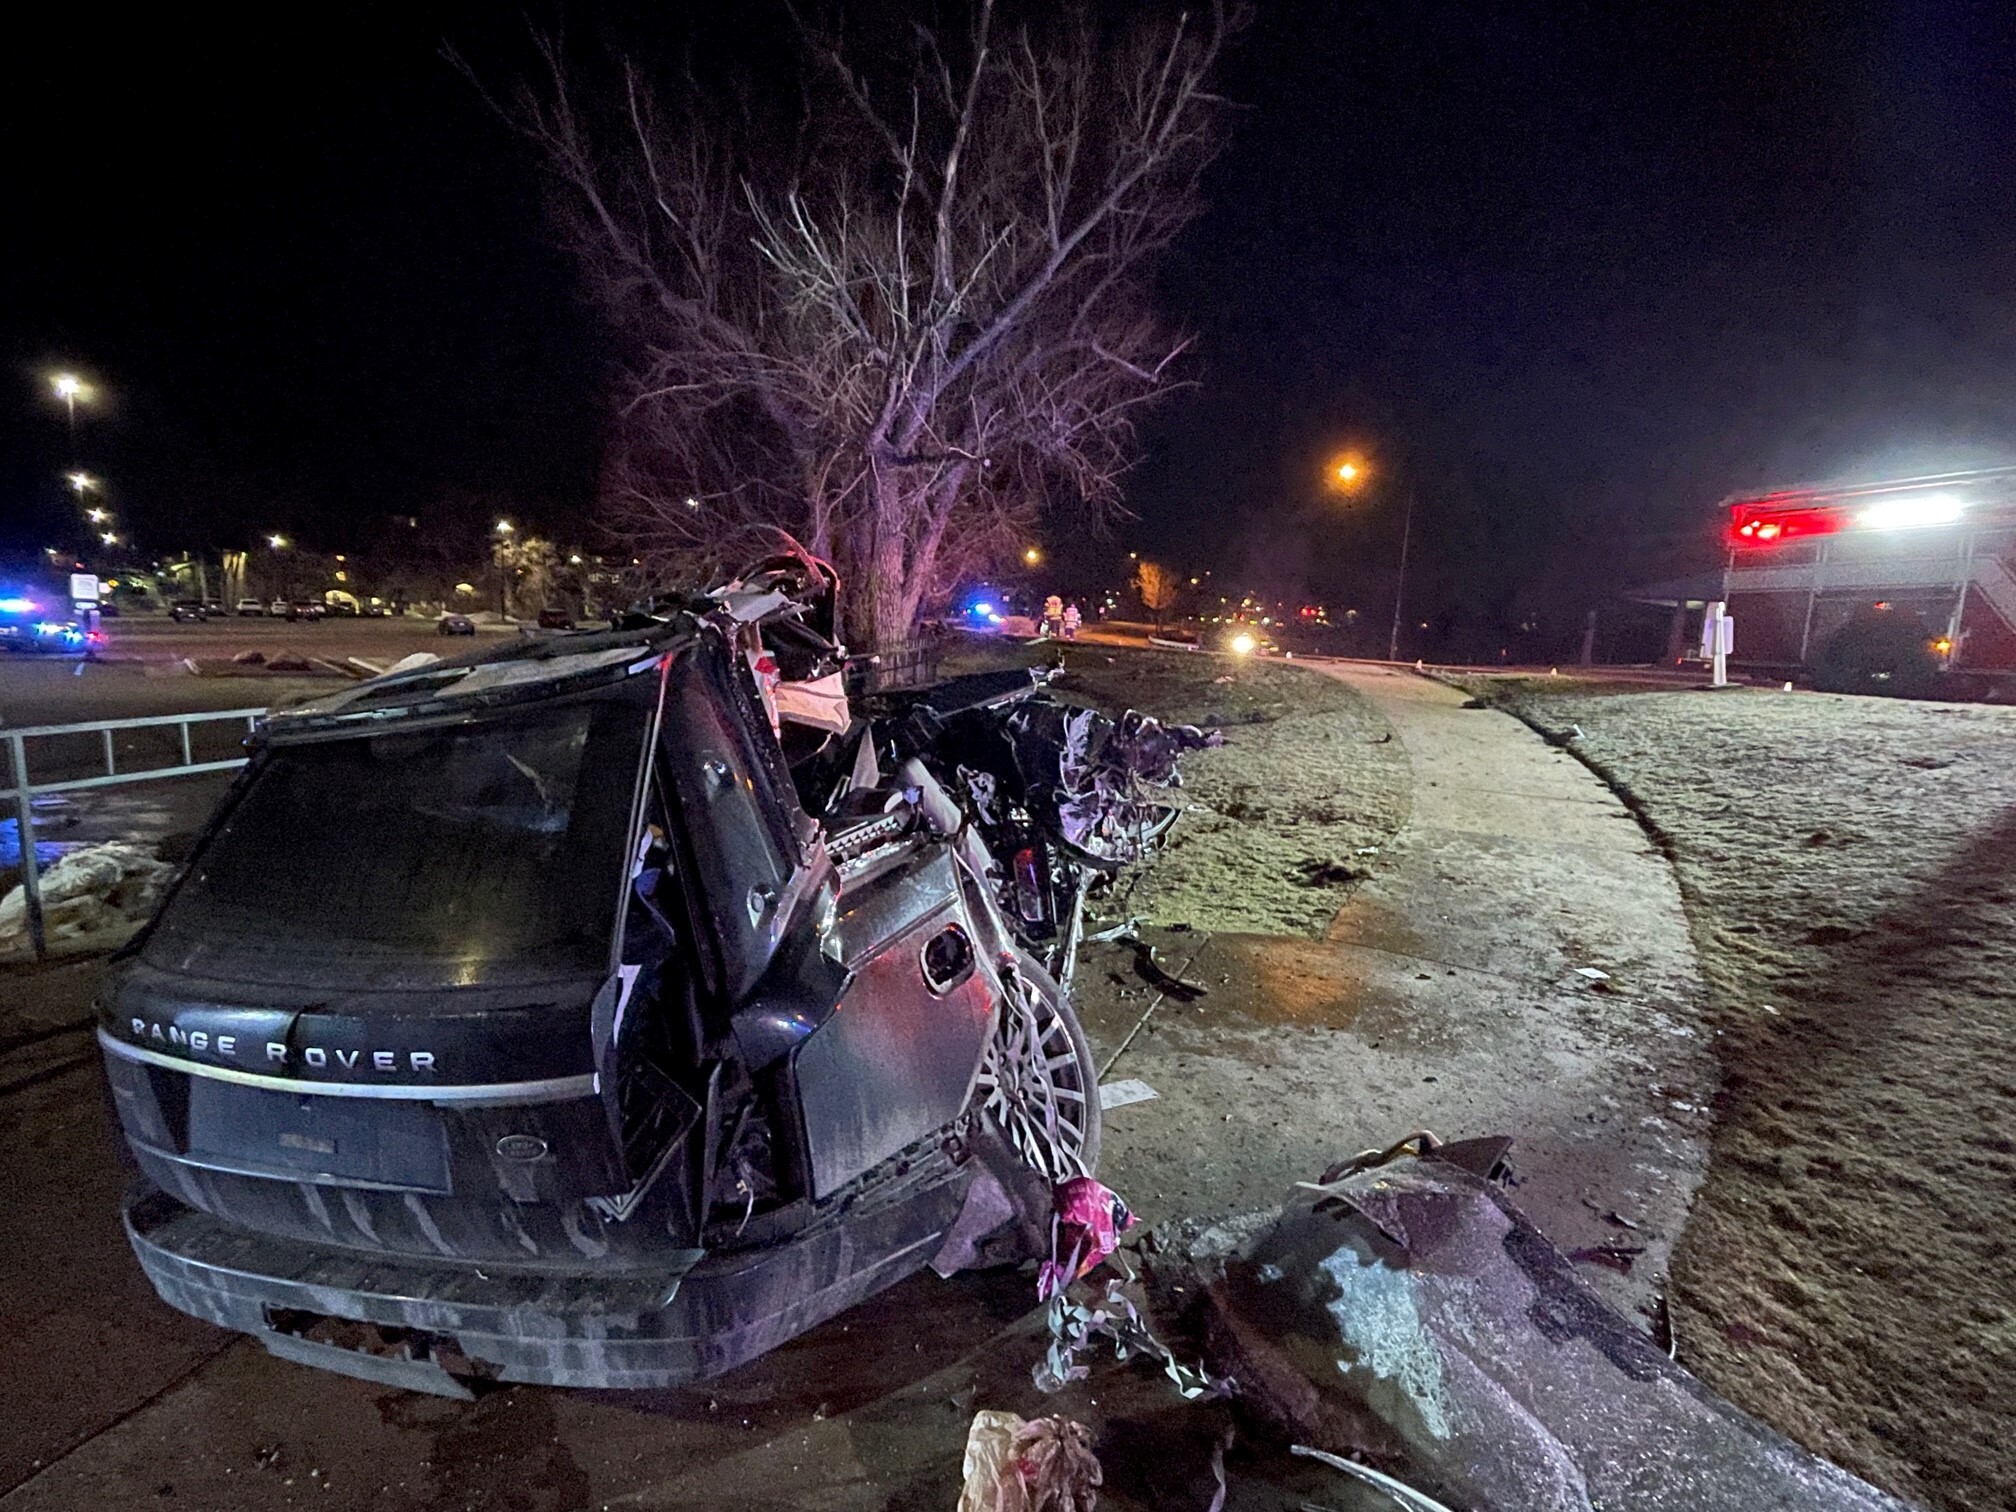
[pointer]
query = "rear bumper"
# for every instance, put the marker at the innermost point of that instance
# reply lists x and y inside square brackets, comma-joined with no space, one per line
[694,1316]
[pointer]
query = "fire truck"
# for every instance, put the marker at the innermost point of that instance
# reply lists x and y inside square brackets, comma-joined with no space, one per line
[1906,586]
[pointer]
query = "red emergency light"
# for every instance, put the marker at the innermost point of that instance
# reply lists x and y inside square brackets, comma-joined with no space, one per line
[1767,522]
[1902,504]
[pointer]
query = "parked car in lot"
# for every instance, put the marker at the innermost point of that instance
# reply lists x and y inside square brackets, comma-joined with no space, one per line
[306,609]
[186,612]
[673,1007]
[455,624]
[251,606]
[555,619]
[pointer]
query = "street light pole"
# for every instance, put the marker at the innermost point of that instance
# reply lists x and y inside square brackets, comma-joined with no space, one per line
[68,386]
[1400,582]
[501,556]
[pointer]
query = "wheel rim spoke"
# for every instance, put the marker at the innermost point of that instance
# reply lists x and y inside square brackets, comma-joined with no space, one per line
[1036,1097]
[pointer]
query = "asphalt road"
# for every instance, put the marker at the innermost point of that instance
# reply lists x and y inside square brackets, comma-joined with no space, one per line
[156,638]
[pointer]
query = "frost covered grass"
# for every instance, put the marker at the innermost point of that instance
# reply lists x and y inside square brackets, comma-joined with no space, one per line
[1849,864]
[1286,815]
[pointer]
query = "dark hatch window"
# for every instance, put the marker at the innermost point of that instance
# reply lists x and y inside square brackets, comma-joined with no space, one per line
[482,853]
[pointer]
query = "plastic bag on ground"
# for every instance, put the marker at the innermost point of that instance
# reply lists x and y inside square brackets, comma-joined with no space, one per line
[1014,1465]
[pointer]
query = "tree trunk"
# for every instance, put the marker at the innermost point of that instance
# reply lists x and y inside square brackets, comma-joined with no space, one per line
[880,618]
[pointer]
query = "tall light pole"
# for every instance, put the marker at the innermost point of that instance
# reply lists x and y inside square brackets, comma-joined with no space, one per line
[504,530]
[279,545]
[1400,582]
[1348,474]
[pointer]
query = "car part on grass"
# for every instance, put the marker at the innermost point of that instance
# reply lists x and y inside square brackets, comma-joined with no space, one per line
[580,1010]
[1409,1315]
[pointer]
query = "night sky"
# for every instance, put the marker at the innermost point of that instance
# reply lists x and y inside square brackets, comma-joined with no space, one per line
[1572,272]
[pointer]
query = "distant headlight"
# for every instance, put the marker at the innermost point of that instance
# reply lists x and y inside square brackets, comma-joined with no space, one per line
[1244,644]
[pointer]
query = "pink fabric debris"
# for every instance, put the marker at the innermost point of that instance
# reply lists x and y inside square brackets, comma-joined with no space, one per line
[1084,1229]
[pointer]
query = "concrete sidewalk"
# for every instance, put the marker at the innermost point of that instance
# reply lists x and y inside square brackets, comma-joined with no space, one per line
[1517,963]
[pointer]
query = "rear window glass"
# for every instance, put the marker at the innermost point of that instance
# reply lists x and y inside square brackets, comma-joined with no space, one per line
[478,853]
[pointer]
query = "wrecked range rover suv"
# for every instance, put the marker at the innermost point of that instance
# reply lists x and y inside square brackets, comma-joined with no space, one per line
[649,1004]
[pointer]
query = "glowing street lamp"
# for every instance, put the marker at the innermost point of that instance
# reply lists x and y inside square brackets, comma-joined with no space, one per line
[277,542]
[70,388]
[97,516]
[1347,474]
[109,538]
[504,527]
[1032,556]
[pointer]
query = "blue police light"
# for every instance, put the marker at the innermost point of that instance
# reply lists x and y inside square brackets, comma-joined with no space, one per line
[18,605]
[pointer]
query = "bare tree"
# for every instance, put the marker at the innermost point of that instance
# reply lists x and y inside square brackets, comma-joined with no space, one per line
[901,319]
[1158,587]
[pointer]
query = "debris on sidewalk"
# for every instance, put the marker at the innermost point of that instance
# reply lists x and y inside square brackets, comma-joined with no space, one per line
[1115,1315]
[1124,1093]
[1151,971]
[1013,1465]
[1618,1257]
[1127,929]
[1401,1493]
[1086,1229]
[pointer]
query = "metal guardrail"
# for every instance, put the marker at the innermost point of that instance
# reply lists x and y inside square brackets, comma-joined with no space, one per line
[26,788]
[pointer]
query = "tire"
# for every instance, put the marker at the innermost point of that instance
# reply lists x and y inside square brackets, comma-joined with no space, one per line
[1016,1112]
